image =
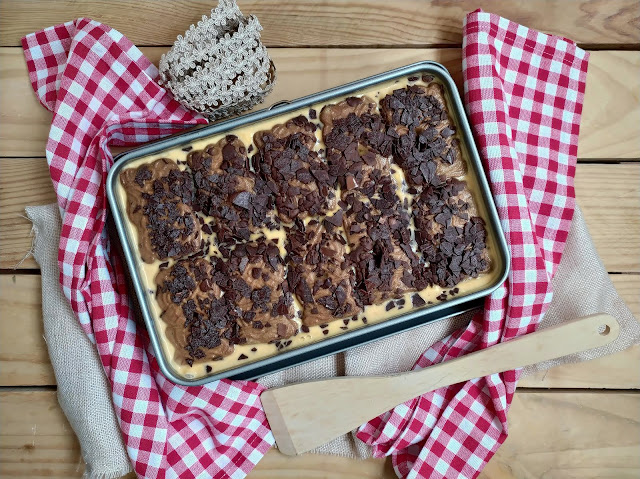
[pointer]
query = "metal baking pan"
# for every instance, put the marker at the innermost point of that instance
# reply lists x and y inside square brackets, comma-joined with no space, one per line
[349,339]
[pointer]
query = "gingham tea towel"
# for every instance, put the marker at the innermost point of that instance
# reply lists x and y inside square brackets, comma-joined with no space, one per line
[102,92]
[524,92]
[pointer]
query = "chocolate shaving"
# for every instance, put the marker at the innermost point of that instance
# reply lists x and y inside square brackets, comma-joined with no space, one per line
[417,301]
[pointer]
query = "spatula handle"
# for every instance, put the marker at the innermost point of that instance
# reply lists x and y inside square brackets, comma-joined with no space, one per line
[567,338]
[306,415]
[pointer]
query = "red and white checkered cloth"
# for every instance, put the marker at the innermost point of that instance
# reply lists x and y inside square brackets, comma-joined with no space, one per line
[524,92]
[102,92]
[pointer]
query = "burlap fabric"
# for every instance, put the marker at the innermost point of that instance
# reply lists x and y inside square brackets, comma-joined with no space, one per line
[581,287]
[83,390]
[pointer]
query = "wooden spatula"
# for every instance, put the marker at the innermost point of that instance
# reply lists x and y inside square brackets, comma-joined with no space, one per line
[306,415]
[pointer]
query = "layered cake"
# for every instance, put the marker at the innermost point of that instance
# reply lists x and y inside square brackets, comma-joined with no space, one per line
[292,230]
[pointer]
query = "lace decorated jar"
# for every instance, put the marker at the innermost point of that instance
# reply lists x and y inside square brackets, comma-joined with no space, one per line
[219,67]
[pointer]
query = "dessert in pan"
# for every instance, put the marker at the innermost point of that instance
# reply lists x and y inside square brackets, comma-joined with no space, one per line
[295,229]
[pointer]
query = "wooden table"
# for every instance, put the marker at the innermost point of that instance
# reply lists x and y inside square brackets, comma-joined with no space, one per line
[578,420]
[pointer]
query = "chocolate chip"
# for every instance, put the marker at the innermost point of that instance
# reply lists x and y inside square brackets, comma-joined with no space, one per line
[312,114]
[336,219]
[281,329]
[187,149]
[242,199]
[325,331]
[417,301]
[208,368]
[447,132]
[242,356]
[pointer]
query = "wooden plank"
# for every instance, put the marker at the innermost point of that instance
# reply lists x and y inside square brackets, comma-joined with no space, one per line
[570,435]
[331,22]
[609,129]
[621,370]
[608,194]
[609,197]
[24,359]
[23,182]
[600,137]
[551,435]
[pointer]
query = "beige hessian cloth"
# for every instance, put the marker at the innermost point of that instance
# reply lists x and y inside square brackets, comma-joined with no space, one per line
[83,389]
[581,287]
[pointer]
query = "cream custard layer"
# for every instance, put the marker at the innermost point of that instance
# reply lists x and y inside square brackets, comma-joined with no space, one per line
[247,353]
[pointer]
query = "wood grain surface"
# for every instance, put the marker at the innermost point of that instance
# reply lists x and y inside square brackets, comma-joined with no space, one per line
[562,428]
[609,130]
[36,441]
[294,23]
[24,359]
[608,194]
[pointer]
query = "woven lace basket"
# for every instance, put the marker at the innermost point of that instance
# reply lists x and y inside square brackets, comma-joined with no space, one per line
[219,67]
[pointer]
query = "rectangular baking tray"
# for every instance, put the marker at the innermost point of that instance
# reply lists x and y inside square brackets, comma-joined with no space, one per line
[349,339]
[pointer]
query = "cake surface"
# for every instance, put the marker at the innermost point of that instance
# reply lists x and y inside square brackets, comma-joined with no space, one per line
[282,234]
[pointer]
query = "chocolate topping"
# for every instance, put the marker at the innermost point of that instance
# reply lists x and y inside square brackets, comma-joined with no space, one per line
[228,191]
[423,145]
[356,140]
[244,293]
[297,177]
[320,274]
[159,199]
[449,234]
